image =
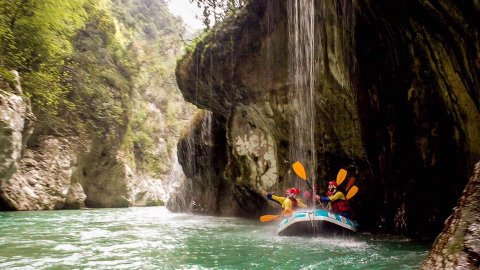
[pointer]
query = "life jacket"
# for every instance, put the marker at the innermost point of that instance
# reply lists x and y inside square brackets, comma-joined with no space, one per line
[289,211]
[294,203]
[340,206]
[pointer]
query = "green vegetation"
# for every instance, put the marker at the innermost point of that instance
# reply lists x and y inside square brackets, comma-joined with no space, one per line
[100,75]
[218,9]
[70,63]
[98,68]
[35,40]
[191,45]
[155,40]
[7,79]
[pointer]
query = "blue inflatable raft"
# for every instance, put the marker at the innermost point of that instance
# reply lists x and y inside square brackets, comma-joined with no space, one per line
[315,221]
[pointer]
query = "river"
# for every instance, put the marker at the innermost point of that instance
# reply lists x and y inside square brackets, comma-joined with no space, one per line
[154,238]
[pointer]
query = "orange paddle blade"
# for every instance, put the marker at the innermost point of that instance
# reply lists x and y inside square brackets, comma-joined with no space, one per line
[351,182]
[299,170]
[342,174]
[352,192]
[266,218]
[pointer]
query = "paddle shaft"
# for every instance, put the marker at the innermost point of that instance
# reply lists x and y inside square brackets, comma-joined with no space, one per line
[308,183]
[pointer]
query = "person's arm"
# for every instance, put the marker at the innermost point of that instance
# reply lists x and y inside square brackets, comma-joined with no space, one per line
[337,196]
[272,197]
[301,204]
[277,198]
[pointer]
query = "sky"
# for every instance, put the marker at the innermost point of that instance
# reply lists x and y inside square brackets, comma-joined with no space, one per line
[188,12]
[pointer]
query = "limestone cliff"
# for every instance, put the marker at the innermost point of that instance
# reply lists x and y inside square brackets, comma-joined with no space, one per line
[458,245]
[397,103]
[15,126]
[42,180]
[64,172]
[206,190]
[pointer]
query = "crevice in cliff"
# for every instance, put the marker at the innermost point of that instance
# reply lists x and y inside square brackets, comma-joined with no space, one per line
[4,205]
[406,123]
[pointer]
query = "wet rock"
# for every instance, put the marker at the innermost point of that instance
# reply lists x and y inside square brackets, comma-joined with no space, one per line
[75,198]
[206,188]
[148,191]
[458,245]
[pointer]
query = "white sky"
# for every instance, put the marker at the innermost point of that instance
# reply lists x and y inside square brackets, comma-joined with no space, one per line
[188,12]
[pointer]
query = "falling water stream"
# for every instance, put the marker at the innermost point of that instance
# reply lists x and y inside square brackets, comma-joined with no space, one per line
[196,151]
[302,72]
[206,132]
[175,177]
[196,146]
[321,67]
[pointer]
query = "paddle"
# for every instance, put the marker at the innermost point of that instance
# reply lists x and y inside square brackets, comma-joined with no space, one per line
[351,182]
[352,192]
[266,218]
[300,171]
[342,174]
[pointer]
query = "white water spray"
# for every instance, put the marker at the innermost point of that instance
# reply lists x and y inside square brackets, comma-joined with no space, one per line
[196,154]
[302,72]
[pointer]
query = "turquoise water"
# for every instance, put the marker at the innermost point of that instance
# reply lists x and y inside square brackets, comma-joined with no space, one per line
[154,238]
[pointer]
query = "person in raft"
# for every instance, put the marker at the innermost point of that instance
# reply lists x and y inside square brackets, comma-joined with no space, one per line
[307,195]
[337,200]
[289,202]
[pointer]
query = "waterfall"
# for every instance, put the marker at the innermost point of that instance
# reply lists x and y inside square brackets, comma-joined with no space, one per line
[302,71]
[321,50]
[188,182]
[175,177]
[206,171]
[206,130]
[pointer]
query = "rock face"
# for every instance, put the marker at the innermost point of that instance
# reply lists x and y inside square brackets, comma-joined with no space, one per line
[70,173]
[109,181]
[458,245]
[64,172]
[418,95]
[105,134]
[15,126]
[43,178]
[206,190]
[396,102]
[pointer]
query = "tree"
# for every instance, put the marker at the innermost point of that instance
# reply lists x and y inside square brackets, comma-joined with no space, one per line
[217,9]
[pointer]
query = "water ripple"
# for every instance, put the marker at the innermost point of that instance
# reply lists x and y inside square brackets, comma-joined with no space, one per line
[154,238]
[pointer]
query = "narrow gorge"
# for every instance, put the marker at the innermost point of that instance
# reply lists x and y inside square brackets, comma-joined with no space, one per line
[202,107]
[91,117]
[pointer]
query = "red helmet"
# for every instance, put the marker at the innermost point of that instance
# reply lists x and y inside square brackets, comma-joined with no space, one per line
[294,191]
[333,183]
